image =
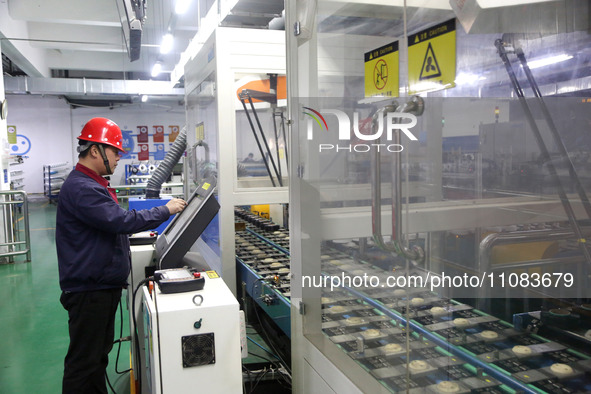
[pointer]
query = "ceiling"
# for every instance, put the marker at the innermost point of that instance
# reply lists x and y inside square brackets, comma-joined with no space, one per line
[84,39]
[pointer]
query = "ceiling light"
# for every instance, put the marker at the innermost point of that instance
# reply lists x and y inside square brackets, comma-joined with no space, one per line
[144,98]
[181,6]
[166,44]
[546,61]
[156,69]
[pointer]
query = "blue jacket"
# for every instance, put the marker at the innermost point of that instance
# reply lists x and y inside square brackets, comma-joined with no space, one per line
[91,234]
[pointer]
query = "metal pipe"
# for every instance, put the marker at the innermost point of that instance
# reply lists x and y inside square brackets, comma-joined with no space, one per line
[256,137]
[554,131]
[256,117]
[414,106]
[543,149]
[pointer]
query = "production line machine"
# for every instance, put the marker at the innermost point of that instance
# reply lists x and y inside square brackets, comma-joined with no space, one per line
[413,338]
[186,323]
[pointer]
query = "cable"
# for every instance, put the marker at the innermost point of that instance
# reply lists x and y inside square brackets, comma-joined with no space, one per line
[137,341]
[121,339]
[263,331]
[259,345]
[109,383]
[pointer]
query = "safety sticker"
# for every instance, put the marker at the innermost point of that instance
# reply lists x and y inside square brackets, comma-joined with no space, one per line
[381,71]
[432,58]
[212,274]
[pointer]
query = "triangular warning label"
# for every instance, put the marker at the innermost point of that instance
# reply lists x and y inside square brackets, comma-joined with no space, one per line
[416,39]
[430,67]
[370,56]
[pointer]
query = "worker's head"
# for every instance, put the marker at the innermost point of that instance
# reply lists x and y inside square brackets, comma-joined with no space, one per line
[100,138]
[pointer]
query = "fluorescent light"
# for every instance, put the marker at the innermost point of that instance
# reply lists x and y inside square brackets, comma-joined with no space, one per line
[546,61]
[181,6]
[144,98]
[156,69]
[166,44]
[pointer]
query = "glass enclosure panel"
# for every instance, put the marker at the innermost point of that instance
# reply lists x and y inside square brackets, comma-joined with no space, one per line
[202,128]
[444,232]
[261,133]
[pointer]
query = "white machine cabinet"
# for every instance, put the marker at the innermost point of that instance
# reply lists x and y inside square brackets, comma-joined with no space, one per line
[182,358]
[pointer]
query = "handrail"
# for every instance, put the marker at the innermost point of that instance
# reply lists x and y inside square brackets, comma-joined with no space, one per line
[414,106]
[11,220]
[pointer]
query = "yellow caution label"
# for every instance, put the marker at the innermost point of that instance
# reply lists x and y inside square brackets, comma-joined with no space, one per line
[381,71]
[432,58]
[206,186]
[212,274]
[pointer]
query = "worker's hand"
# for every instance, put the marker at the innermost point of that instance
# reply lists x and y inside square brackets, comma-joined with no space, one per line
[176,205]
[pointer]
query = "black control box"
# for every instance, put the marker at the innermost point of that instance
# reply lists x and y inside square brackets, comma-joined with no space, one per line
[179,280]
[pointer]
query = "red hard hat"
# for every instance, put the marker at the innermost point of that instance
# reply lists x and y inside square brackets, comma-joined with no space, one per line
[103,131]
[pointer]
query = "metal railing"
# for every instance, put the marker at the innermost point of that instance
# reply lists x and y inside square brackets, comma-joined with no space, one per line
[16,235]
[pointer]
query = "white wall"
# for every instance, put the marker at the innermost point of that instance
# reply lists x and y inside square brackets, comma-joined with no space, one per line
[52,127]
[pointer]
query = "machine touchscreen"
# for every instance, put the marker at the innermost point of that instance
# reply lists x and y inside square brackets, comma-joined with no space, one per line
[186,227]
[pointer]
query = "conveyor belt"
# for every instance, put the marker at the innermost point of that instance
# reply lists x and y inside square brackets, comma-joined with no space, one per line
[447,346]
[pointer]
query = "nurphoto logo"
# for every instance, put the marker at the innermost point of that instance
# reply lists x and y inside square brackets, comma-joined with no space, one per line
[395,122]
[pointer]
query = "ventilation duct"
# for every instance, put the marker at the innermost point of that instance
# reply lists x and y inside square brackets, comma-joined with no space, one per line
[165,168]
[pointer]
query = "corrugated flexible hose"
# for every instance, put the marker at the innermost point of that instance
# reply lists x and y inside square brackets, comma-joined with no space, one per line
[165,168]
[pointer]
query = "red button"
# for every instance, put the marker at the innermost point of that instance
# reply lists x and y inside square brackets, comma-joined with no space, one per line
[197,275]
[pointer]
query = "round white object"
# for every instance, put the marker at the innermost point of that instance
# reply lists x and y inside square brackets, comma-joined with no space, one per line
[256,251]
[448,387]
[488,334]
[326,300]
[283,270]
[418,366]
[371,333]
[335,262]
[268,260]
[521,350]
[393,348]
[461,322]
[559,369]
[417,301]
[324,257]
[438,311]
[399,293]
[276,265]
[354,320]
[250,247]
[337,309]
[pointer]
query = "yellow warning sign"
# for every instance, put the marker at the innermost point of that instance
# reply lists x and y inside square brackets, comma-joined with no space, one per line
[432,58]
[212,274]
[381,71]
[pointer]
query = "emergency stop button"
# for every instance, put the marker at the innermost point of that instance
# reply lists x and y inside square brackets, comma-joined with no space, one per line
[197,275]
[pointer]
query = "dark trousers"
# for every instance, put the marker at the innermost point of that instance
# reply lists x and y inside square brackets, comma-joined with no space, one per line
[91,323]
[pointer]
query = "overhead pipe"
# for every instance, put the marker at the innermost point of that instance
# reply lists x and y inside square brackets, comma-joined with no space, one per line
[415,106]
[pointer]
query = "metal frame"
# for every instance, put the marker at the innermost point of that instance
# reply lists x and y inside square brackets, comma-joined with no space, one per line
[15,208]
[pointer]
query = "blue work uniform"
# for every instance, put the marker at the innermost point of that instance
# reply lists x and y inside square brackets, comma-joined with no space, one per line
[94,262]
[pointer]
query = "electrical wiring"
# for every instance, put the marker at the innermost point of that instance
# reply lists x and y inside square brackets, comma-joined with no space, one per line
[137,341]
[119,341]
[262,347]
[263,331]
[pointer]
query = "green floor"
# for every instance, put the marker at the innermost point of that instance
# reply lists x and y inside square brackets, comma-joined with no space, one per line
[34,323]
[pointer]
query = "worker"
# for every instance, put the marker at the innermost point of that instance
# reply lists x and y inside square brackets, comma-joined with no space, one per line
[93,253]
